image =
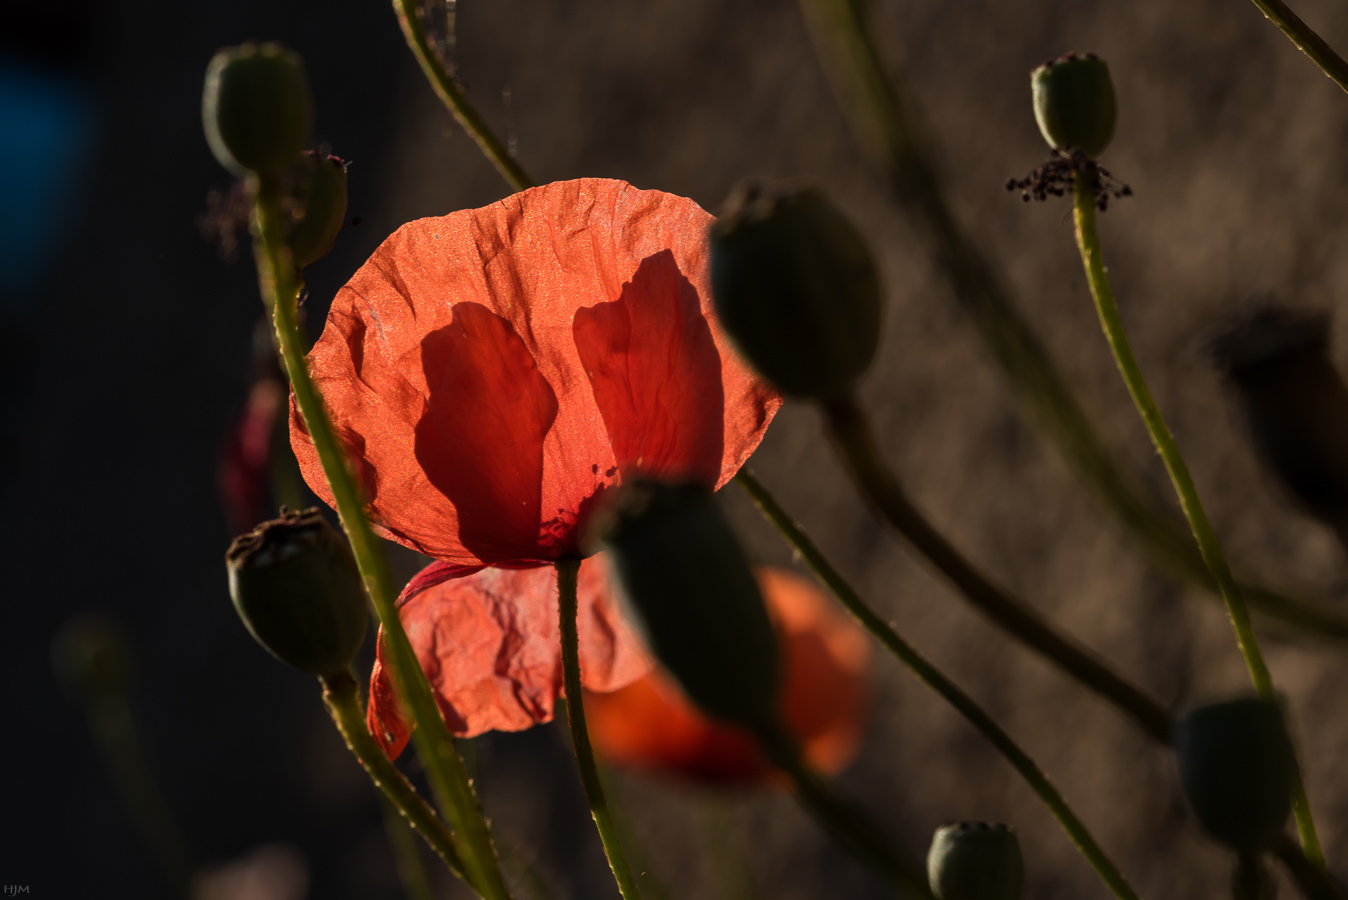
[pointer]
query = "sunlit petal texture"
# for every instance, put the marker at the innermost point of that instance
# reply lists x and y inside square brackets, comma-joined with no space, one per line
[494,371]
[824,699]
[489,643]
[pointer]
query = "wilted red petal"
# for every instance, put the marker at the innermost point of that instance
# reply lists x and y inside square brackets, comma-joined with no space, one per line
[825,693]
[488,641]
[532,267]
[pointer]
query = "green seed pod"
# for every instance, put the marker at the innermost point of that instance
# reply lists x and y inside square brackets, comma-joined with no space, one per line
[257,108]
[297,589]
[1238,767]
[684,577]
[796,289]
[321,193]
[1074,103]
[975,861]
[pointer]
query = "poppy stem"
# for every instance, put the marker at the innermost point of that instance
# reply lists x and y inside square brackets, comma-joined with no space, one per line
[1315,883]
[851,432]
[875,105]
[1306,40]
[929,675]
[280,285]
[568,570]
[1088,243]
[451,94]
[847,825]
[342,698]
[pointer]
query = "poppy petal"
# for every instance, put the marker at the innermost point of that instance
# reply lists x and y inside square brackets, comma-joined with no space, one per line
[455,359]
[650,724]
[488,641]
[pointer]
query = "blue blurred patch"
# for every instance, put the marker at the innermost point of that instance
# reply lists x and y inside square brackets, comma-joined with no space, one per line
[46,123]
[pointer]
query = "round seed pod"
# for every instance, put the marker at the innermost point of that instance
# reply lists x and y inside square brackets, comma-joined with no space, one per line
[1237,766]
[796,289]
[680,569]
[1074,103]
[321,193]
[295,585]
[257,108]
[975,861]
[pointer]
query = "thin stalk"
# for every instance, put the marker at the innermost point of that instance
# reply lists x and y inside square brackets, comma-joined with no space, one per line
[847,825]
[342,698]
[883,126]
[449,782]
[929,675]
[451,94]
[1313,881]
[567,572]
[851,432]
[1306,40]
[406,852]
[1088,242]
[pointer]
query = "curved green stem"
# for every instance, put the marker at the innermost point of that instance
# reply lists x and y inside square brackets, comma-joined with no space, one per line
[453,791]
[1313,881]
[342,698]
[933,678]
[847,825]
[1088,243]
[452,95]
[567,571]
[1306,40]
[882,125]
[850,430]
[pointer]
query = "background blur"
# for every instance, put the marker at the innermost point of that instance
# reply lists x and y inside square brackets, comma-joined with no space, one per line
[126,351]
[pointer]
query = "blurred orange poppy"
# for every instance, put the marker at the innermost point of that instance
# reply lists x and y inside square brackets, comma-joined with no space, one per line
[824,698]
[492,374]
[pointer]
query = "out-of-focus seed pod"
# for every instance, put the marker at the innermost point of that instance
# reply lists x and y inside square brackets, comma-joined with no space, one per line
[297,589]
[1074,103]
[975,861]
[257,108]
[796,289]
[321,198]
[1237,766]
[1295,404]
[683,575]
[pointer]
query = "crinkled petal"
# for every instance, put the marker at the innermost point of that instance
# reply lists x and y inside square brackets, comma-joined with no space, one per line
[489,371]
[825,694]
[489,643]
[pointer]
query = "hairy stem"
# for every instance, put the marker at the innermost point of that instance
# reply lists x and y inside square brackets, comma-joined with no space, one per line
[1306,40]
[1088,243]
[851,432]
[929,675]
[567,572]
[453,791]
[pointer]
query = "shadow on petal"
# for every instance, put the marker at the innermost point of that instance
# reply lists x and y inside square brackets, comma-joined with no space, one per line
[480,440]
[656,375]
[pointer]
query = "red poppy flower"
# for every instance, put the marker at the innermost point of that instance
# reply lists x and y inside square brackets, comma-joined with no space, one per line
[492,373]
[824,697]
[489,643]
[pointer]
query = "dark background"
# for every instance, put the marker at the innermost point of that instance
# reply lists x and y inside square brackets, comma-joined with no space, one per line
[126,350]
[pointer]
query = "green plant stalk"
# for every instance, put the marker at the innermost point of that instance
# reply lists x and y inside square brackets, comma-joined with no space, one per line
[881,123]
[1314,882]
[847,825]
[929,675]
[280,289]
[1088,242]
[406,852]
[342,698]
[567,572]
[1306,40]
[452,95]
[851,432]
